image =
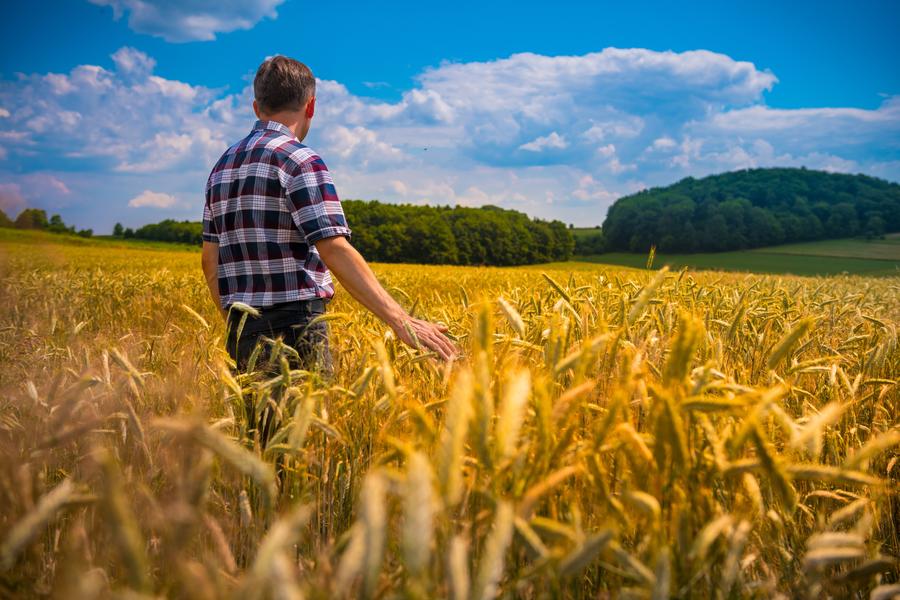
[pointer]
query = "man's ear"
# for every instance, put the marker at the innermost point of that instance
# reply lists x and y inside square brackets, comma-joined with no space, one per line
[256,109]
[311,108]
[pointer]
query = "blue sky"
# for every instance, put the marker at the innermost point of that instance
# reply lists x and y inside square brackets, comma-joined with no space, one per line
[114,110]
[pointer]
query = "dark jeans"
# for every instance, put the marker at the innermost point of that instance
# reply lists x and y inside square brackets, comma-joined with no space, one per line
[290,322]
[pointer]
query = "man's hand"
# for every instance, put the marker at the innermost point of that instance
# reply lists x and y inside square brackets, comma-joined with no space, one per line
[417,333]
[357,278]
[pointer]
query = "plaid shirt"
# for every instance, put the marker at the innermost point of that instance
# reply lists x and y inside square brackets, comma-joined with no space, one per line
[268,200]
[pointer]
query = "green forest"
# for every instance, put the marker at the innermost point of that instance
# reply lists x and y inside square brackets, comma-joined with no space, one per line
[751,209]
[36,218]
[423,234]
[169,230]
[454,235]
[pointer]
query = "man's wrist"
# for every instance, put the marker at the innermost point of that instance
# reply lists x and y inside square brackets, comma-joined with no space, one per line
[396,318]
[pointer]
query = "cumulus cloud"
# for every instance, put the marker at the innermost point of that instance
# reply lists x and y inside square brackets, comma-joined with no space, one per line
[361,146]
[553,140]
[806,130]
[129,60]
[664,143]
[11,199]
[40,190]
[44,186]
[153,199]
[120,119]
[555,136]
[191,20]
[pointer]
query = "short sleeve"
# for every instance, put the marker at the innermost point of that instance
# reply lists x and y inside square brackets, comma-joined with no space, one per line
[314,203]
[209,227]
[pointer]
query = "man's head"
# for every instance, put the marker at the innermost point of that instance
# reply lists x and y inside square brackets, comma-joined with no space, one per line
[285,91]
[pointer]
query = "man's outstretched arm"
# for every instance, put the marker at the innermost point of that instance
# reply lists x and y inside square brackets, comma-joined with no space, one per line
[209,260]
[354,273]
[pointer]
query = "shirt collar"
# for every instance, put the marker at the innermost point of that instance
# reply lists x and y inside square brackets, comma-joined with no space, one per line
[274,126]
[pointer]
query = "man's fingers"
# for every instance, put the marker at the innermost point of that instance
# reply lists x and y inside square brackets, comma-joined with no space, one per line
[435,343]
[448,344]
[419,333]
[447,348]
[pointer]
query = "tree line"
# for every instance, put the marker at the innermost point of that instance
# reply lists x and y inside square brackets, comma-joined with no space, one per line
[456,235]
[750,209]
[168,230]
[36,218]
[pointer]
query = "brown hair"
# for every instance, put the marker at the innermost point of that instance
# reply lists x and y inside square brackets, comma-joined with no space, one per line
[282,83]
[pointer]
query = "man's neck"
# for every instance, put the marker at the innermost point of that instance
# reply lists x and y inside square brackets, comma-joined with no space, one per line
[294,121]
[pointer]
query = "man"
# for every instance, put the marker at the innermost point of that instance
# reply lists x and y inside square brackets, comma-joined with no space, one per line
[274,231]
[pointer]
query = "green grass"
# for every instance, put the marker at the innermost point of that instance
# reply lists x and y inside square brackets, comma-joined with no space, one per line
[855,256]
[583,232]
[886,249]
[30,236]
[753,261]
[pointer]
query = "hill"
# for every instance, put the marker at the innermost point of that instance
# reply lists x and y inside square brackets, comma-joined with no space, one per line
[752,209]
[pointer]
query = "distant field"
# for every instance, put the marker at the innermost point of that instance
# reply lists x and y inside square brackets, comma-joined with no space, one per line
[756,262]
[886,249]
[582,232]
[854,256]
[27,236]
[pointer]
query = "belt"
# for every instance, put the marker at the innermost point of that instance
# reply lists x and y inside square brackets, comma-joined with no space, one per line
[311,305]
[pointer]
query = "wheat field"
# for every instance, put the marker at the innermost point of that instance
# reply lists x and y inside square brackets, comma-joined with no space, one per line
[608,433]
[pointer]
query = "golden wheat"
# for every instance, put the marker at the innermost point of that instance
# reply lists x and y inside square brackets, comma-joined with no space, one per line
[607,432]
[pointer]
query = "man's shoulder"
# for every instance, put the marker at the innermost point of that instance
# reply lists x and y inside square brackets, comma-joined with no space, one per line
[290,156]
[228,156]
[297,155]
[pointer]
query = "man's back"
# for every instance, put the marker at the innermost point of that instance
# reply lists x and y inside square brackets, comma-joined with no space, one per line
[269,198]
[272,222]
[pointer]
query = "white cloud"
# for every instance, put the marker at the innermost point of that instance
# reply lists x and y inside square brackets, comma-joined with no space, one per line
[398,187]
[56,185]
[517,132]
[361,146]
[554,140]
[664,143]
[622,127]
[427,106]
[153,199]
[11,199]
[38,189]
[617,167]
[129,60]
[191,20]
[126,119]
[44,186]
[4,113]
[606,151]
[58,84]
[590,190]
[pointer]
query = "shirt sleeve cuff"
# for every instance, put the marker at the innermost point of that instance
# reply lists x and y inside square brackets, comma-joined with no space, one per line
[327,232]
[210,237]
